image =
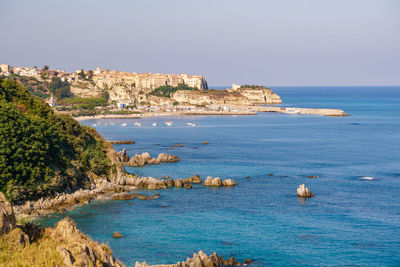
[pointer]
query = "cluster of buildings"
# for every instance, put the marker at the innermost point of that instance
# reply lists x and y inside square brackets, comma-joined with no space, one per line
[149,80]
[106,77]
[34,72]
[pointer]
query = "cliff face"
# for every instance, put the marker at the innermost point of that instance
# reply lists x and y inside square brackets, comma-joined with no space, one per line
[131,88]
[134,89]
[241,96]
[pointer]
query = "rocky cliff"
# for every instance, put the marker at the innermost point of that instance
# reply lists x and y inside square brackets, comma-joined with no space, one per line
[239,97]
[132,88]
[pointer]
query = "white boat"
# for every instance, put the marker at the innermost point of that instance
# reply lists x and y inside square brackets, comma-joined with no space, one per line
[367,178]
[124,124]
[138,124]
[292,110]
[154,124]
[94,124]
[168,123]
[191,124]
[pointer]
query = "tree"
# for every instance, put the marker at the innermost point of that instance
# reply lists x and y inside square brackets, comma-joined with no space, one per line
[90,75]
[46,68]
[82,74]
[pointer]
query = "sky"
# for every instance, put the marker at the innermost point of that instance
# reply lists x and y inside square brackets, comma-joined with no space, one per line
[274,43]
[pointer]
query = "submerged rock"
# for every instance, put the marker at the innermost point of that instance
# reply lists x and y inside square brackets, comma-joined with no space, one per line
[303,191]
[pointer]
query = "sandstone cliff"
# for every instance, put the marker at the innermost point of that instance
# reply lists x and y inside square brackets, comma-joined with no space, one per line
[134,89]
[238,97]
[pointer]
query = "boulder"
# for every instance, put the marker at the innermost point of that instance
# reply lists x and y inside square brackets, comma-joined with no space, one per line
[195,179]
[178,183]
[117,235]
[7,217]
[188,186]
[216,182]
[303,191]
[208,181]
[229,182]
[18,237]
[146,157]
[122,196]
[170,183]
[198,260]
[152,186]
[123,156]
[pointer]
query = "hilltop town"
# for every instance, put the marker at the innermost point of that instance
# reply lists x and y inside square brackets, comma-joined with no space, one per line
[123,92]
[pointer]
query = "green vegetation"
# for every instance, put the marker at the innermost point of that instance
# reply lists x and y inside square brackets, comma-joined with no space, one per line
[122,112]
[175,103]
[42,152]
[59,89]
[168,90]
[84,103]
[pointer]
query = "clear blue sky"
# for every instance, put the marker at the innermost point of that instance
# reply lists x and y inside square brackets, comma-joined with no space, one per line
[281,42]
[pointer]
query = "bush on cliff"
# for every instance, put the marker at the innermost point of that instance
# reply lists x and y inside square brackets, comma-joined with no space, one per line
[168,90]
[42,152]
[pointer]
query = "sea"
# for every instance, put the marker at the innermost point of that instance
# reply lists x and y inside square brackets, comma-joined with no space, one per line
[350,222]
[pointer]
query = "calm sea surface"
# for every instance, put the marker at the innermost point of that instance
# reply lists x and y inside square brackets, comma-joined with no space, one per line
[349,221]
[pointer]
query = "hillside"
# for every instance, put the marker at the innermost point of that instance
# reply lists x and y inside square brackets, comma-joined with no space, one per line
[42,152]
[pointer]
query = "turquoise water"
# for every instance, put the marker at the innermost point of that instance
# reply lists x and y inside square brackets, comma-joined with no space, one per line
[349,221]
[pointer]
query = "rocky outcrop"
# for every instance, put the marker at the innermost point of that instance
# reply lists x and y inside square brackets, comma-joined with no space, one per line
[217,182]
[7,217]
[144,158]
[199,260]
[238,97]
[77,249]
[303,191]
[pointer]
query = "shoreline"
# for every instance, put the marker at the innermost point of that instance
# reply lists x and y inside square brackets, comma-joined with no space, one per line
[250,110]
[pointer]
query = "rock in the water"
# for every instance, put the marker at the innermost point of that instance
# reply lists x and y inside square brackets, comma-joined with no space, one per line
[216,182]
[303,191]
[170,182]
[117,235]
[188,186]
[195,179]
[208,181]
[7,217]
[229,182]
[122,196]
[199,260]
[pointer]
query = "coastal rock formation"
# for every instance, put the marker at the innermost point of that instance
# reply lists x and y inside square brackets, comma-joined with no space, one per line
[7,218]
[78,249]
[144,158]
[303,191]
[238,97]
[198,260]
[217,182]
[195,179]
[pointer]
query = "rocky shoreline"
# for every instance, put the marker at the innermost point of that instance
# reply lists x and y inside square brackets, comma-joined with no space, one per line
[79,250]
